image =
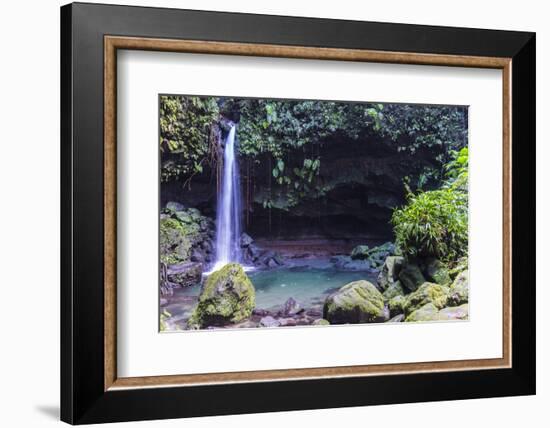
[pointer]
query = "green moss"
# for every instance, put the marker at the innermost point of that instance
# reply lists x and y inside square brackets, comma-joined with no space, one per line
[356,302]
[179,233]
[227,296]
[393,290]
[396,305]
[428,292]
[428,312]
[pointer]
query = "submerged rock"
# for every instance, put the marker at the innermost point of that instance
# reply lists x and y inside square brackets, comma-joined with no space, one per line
[459,290]
[356,302]
[346,263]
[428,292]
[291,307]
[227,297]
[411,276]
[437,272]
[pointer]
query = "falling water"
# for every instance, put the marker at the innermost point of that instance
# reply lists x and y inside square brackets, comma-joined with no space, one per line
[228,217]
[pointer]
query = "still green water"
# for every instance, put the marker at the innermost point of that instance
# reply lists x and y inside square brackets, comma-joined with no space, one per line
[308,286]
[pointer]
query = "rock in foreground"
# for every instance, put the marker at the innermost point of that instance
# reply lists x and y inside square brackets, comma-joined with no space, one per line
[227,297]
[428,292]
[356,302]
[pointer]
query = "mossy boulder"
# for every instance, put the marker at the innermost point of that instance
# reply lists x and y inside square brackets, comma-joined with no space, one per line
[174,206]
[227,297]
[459,290]
[428,312]
[361,252]
[185,235]
[389,273]
[454,313]
[176,240]
[429,292]
[436,271]
[396,305]
[411,276]
[394,289]
[459,266]
[320,321]
[356,302]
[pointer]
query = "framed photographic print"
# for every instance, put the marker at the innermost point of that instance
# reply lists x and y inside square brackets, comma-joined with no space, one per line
[273,213]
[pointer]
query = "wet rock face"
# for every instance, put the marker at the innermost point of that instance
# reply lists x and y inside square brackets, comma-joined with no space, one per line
[185,274]
[411,276]
[354,303]
[389,274]
[254,255]
[227,297]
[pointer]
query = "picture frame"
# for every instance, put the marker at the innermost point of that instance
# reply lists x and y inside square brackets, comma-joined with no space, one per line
[91,391]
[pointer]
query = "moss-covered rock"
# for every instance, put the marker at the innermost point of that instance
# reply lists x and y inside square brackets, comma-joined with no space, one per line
[226,297]
[389,273]
[396,305]
[459,266]
[320,321]
[356,302]
[454,313]
[411,276]
[428,292]
[394,289]
[459,290]
[436,271]
[185,235]
[428,312]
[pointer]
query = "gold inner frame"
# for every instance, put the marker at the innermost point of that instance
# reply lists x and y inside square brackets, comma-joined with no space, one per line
[113,43]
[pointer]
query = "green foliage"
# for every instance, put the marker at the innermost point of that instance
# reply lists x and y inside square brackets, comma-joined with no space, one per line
[185,129]
[435,223]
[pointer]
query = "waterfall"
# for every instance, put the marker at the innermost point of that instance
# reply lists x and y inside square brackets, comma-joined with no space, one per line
[228,216]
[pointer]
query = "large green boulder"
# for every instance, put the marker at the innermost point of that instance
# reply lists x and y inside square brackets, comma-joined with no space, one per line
[394,289]
[389,273]
[226,297]
[454,313]
[428,312]
[428,292]
[459,289]
[411,276]
[354,303]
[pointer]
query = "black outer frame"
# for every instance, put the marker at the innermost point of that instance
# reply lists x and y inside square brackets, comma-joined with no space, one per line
[83,399]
